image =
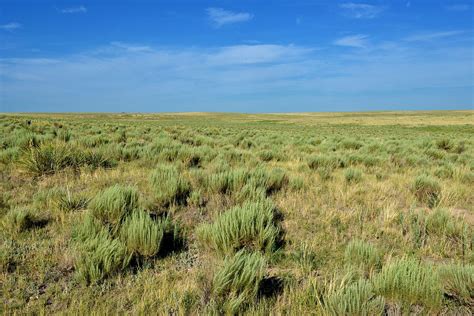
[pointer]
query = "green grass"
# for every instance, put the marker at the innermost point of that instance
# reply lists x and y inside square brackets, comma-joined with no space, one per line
[213,213]
[251,226]
[169,186]
[363,256]
[427,190]
[409,282]
[114,204]
[237,282]
[357,298]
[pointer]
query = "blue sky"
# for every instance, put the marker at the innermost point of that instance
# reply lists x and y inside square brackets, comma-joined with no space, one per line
[236,56]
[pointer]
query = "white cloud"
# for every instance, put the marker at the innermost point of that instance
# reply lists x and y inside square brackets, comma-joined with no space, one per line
[361,10]
[221,17]
[10,26]
[458,7]
[79,9]
[359,41]
[426,37]
[255,54]
[131,47]
[236,78]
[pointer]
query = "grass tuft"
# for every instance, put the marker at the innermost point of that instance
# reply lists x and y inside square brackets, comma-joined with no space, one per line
[427,190]
[169,186]
[114,204]
[409,282]
[237,281]
[250,226]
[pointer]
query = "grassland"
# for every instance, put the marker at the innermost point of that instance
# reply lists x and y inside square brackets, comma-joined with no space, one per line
[195,213]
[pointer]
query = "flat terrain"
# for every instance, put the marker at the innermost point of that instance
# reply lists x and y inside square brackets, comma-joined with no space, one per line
[210,213]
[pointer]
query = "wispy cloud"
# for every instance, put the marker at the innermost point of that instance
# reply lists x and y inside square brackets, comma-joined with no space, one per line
[359,41]
[239,78]
[221,17]
[426,37]
[79,9]
[10,26]
[255,54]
[361,10]
[131,47]
[458,7]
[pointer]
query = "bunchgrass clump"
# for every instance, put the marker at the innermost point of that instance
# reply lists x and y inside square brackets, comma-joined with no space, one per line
[363,256]
[142,235]
[250,226]
[114,204]
[409,282]
[357,298]
[237,282]
[100,257]
[169,186]
[18,220]
[352,175]
[427,190]
[271,181]
[48,159]
[69,202]
[458,283]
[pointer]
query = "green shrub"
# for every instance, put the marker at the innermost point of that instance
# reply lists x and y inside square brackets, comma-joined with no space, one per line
[427,190]
[63,135]
[250,192]
[227,182]
[354,299]
[441,223]
[352,175]
[18,220]
[141,234]
[49,159]
[317,162]
[458,283]
[169,186]
[68,202]
[250,226]
[325,173]
[351,144]
[114,204]
[306,258]
[271,181]
[7,249]
[100,257]
[445,144]
[95,159]
[363,256]
[446,171]
[409,282]
[296,183]
[196,199]
[237,282]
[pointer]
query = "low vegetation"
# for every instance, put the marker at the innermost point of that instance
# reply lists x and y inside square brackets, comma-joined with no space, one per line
[211,214]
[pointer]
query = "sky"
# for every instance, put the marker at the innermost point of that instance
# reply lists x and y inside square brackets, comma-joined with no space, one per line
[236,56]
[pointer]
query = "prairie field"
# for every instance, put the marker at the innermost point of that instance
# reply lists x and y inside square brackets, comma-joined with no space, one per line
[207,213]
